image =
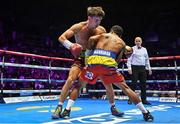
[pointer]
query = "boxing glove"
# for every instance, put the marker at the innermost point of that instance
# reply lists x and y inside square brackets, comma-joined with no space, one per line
[76,49]
[128,51]
[73,47]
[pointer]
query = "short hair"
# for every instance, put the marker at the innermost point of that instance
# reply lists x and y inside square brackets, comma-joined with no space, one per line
[95,11]
[117,30]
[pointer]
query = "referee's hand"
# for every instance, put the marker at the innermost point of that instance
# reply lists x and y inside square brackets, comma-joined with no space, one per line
[150,72]
[130,71]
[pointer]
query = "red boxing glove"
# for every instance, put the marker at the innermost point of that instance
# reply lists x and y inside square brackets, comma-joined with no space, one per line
[76,49]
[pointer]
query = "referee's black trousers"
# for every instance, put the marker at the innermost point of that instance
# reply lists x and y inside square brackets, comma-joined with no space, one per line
[139,73]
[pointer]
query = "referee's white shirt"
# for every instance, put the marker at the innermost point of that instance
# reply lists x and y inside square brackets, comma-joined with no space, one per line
[139,57]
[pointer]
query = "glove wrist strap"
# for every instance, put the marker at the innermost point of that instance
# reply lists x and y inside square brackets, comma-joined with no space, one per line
[67,44]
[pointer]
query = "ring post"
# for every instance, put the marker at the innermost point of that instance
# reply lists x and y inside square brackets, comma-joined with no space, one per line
[176,76]
[2,82]
[49,77]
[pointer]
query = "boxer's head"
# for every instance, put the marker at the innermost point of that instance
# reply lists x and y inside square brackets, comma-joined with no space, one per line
[117,30]
[95,15]
[95,11]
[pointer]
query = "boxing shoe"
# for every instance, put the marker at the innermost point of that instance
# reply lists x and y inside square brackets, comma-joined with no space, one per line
[148,117]
[76,49]
[66,114]
[116,112]
[57,112]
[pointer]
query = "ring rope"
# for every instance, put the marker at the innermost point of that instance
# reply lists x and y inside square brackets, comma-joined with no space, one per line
[31,80]
[93,91]
[67,59]
[138,91]
[62,68]
[60,81]
[34,55]
[32,66]
[31,91]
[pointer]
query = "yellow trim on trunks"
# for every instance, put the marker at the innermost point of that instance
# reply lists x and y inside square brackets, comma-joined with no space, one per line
[103,60]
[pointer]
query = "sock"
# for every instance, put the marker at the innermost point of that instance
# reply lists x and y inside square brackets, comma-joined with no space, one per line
[70,104]
[60,103]
[141,107]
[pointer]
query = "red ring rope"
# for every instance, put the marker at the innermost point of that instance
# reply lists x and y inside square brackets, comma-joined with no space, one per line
[67,59]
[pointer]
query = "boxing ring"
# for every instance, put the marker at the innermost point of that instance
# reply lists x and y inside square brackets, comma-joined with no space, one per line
[30,104]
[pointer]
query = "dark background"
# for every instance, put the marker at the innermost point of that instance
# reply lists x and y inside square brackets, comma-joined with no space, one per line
[157,22]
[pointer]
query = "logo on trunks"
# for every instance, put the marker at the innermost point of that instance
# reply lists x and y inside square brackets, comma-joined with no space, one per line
[101,52]
[89,75]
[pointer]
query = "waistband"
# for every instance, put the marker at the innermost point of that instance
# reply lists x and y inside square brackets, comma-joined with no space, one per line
[102,52]
[105,66]
[141,66]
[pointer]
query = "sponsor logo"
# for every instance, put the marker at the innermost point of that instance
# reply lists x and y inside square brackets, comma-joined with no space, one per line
[22,99]
[54,97]
[101,52]
[168,99]
[103,118]
[89,75]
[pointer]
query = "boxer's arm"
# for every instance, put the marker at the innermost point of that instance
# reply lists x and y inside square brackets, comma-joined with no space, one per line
[122,48]
[120,55]
[93,41]
[68,34]
[127,50]
[73,47]
[100,30]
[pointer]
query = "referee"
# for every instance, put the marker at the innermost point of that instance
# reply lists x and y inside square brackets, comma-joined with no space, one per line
[137,65]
